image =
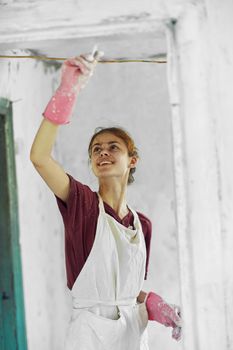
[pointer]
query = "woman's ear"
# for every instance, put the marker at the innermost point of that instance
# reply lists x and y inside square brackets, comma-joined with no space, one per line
[133,162]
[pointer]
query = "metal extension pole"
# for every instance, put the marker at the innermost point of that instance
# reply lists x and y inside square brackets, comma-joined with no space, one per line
[114,60]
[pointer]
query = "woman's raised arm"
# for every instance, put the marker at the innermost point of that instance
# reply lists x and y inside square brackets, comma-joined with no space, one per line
[51,172]
[75,74]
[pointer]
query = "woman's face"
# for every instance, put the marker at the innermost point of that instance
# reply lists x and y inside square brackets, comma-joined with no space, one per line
[109,157]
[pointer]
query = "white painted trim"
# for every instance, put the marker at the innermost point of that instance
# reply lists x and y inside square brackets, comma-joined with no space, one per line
[72,30]
[196,184]
[180,182]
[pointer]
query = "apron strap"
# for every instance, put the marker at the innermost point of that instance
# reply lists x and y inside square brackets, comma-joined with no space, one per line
[81,303]
[101,203]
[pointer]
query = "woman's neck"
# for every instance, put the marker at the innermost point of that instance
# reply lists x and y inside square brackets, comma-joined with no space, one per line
[115,197]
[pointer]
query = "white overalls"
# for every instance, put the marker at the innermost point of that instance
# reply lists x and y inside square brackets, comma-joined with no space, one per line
[105,314]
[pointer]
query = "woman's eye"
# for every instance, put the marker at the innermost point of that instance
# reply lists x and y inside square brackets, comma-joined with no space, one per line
[113,147]
[96,149]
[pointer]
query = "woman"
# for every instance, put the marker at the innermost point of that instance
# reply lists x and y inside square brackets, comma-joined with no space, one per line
[106,241]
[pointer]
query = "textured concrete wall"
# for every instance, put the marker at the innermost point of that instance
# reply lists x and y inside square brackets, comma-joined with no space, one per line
[220,29]
[134,96]
[198,137]
[202,126]
[40,19]
[28,84]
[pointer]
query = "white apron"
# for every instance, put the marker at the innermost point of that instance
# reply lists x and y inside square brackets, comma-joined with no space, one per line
[105,313]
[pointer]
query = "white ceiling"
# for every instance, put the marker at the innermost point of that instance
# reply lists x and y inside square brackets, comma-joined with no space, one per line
[64,28]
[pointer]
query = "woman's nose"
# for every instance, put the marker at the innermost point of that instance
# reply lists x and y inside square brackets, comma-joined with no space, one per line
[104,152]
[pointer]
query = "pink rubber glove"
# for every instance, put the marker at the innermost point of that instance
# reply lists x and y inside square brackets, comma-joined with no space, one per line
[166,314]
[75,74]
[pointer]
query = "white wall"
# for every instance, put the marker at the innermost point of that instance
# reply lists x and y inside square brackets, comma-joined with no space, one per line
[134,96]
[27,84]
[200,145]
[220,29]
[202,133]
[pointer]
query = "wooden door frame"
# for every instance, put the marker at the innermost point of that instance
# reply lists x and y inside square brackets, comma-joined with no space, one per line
[12,318]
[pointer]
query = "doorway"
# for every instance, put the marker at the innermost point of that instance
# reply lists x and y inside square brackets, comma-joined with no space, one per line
[12,321]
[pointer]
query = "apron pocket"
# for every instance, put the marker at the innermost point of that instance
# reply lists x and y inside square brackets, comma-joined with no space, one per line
[104,314]
[90,331]
[105,331]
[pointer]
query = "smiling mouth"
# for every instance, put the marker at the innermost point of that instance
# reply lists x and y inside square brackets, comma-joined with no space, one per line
[104,164]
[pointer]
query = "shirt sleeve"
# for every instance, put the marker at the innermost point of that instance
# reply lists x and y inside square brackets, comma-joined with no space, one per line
[79,201]
[147,231]
[68,209]
[148,241]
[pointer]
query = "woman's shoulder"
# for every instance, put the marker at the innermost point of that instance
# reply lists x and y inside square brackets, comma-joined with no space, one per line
[80,187]
[146,222]
[79,194]
[143,217]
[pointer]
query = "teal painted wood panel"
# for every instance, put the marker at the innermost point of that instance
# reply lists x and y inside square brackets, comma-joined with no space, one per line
[12,319]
